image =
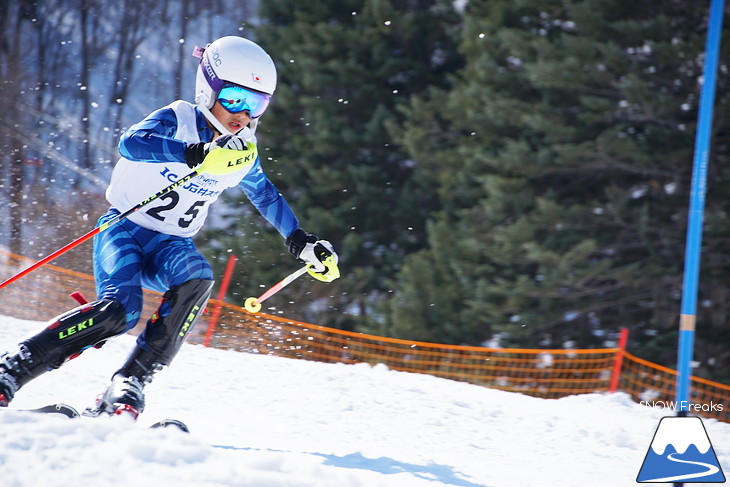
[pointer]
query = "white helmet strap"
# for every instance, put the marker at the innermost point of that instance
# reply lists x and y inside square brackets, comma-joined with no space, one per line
[246,132]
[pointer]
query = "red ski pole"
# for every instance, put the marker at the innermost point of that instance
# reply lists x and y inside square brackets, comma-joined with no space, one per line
[253,305]
[97,230]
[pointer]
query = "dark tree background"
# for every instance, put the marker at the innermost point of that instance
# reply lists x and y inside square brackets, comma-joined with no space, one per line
[514,172]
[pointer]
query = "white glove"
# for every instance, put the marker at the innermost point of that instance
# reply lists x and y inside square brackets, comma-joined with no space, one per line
[195,153]
[229,141]
[314,255]
[319,255]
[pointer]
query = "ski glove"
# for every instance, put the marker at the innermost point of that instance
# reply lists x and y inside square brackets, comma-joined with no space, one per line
[224,155]
[195,153]
[319,255]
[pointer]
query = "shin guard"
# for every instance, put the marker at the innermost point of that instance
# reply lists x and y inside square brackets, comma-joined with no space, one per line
[64,338]
[165,333]
[75,331]
[179,310]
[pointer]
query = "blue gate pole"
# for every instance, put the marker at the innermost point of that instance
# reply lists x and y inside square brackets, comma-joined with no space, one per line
[696,208]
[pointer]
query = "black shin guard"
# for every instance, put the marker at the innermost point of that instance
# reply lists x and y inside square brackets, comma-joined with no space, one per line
[156,346]
[179,311]
[63,338]
[73,332]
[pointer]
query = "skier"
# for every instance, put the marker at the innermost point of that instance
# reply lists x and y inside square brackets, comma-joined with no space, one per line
[153,247]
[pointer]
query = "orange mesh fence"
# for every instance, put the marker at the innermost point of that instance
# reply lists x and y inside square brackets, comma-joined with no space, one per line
[654,385]
[541,373]
[45,293]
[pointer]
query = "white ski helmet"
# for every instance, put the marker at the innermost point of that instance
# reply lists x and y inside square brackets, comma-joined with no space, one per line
[235,60]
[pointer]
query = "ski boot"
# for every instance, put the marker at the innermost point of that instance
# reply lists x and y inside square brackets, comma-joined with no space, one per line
[15,371]
[125,395]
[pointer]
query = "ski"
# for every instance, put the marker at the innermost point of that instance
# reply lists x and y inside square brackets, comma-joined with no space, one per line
[171,423]
[58,408]
[71,412]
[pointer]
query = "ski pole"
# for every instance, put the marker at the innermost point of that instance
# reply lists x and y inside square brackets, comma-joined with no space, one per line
[98,229]
[253,305]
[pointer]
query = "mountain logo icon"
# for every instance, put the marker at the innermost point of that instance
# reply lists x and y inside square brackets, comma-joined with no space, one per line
[681,452]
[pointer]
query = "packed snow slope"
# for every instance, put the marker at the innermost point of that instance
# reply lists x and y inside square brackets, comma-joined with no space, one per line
[261,421]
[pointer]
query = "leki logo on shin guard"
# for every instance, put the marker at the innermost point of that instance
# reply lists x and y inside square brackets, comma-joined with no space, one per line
[189,321]
[72,330]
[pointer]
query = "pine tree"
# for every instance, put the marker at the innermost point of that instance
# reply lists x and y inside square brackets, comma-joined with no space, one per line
[345,69]
[563,171]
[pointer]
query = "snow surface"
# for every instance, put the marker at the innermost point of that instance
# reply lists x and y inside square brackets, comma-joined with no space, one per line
[262,421]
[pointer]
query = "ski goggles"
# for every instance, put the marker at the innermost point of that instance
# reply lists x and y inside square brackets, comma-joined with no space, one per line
[236,99]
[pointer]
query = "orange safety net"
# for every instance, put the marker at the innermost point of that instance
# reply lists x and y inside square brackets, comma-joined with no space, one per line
[542,373]
[44,294]
[654,385]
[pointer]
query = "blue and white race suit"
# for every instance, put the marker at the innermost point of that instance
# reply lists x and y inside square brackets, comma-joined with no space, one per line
[153,247]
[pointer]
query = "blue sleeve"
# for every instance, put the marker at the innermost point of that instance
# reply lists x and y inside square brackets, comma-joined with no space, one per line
[151,140]
[267,199]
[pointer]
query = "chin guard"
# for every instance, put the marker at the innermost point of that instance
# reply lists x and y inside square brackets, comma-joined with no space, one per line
[248,132]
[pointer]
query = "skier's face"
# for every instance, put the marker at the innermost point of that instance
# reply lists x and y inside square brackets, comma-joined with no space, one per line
[232,121]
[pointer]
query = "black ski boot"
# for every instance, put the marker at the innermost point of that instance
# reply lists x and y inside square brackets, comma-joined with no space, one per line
[16,370]
[125,393]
